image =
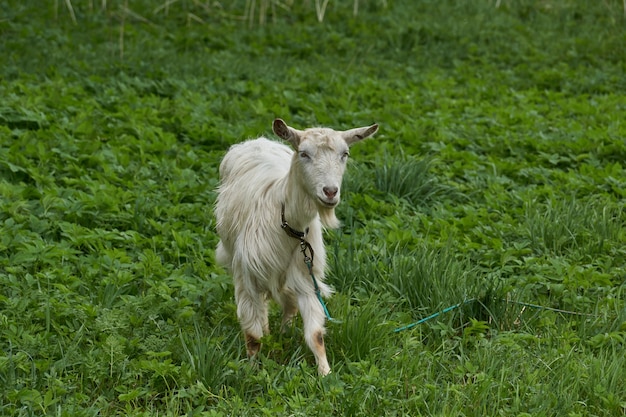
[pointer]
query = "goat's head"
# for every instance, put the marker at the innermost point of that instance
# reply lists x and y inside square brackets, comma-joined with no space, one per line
[320,159]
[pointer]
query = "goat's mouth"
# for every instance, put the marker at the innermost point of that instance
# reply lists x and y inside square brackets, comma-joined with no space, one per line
[328,203]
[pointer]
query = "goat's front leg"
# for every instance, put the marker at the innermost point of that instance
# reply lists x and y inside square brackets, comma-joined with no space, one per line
[252,316]
[313,318]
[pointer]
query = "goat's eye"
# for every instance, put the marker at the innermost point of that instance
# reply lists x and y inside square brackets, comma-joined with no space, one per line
[304,155]
[345,156]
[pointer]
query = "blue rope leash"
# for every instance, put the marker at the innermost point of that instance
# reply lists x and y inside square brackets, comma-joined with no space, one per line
[445,310]
[432,316]
[308,258]
[309,264]
[556,310]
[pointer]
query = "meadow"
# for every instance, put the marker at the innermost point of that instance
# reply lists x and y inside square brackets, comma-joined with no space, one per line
[492,199]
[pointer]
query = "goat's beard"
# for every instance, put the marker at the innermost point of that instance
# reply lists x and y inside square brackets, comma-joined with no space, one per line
[328,217]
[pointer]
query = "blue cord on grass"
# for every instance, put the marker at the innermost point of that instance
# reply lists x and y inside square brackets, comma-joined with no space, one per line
[432,316]
[445,310]
[309,264]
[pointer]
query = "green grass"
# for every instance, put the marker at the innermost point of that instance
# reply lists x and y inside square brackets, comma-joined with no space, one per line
[497,178]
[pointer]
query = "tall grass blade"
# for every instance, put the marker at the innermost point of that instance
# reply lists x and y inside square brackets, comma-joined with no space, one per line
[70,8]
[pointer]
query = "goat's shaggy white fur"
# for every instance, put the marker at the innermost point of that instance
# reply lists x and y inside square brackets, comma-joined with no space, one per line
[258,177]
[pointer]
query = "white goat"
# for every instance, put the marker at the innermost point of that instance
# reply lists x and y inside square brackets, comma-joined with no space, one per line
[264,184]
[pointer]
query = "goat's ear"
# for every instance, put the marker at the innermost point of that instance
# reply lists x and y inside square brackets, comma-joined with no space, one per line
[285,132]
[354,135]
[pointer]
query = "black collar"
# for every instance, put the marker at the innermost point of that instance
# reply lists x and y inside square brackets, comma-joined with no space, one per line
[288,229]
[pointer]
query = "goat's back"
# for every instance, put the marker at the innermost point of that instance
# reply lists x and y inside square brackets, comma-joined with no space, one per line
[249,197]
[255,161]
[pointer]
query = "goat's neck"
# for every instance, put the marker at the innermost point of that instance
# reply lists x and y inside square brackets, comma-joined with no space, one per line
[300,209]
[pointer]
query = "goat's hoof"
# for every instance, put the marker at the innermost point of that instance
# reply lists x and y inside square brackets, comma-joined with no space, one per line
[253,345]
[324,370]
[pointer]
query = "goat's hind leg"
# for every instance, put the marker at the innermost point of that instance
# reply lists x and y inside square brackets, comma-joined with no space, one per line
[252,316]
[289,304]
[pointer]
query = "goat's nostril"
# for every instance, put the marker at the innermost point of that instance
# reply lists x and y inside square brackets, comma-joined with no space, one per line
[330,192]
